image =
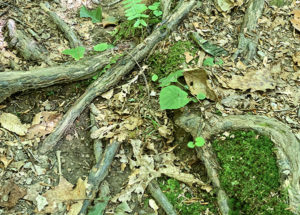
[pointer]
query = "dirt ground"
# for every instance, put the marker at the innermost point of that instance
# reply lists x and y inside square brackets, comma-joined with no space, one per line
[148,134]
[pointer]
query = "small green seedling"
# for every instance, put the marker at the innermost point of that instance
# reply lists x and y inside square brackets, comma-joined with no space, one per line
[155,9]
[102,47]
[154,77]
[201,96]
[173,77]
[211,61]
[199,142]
[75,53]
[135,11]
[95,15]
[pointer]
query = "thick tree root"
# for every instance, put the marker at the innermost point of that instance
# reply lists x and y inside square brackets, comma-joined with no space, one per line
[286,144]
[161,198]
[248,36]
[98,173]
[115,74]
[15,81]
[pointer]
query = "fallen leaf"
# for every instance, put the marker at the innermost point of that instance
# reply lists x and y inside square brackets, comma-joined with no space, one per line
[254,80]
[188,57]
[107,95]
[63,193]
[296,20]
[43,123]
[109,20]
[164,131]
[132,123]
[5,161]
[13,124]
[197,81]
[12,193]
[296,58]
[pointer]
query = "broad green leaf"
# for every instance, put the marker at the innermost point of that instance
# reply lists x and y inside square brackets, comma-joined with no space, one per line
[170,78]
[154,77]
[157,13]
[208,61]
[199,141]
[219,62]
[76,53]
[172,97]
[201,96]
[95,15]
[101,47]
[191,145]
[154,6]
[98,209]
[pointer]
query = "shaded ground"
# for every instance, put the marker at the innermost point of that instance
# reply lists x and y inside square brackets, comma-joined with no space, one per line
[33,174]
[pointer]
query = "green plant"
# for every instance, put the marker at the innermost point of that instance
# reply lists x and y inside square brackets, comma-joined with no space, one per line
[173,97]
[136,11]
[76,53]
[113,60]
[185,201]
[155,9]
[102,47]
[95,15]
[249,174]
[199,142]
[211,61]
[154,77]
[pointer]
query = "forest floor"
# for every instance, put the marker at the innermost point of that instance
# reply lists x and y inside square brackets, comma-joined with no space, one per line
[31,183]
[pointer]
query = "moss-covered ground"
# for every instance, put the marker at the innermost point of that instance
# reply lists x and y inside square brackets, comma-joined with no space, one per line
[249,174]
[164,64]
[184,201]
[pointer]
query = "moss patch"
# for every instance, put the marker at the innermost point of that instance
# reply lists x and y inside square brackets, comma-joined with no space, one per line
[249,174]
[163,64]
[184,202]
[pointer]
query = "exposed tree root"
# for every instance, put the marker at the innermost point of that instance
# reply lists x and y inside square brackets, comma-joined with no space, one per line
[160,198]
[15,81]
[248,37]
[115,74]
[286,144]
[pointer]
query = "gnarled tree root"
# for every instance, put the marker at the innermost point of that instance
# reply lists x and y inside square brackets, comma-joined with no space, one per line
[286,143]
[115,74]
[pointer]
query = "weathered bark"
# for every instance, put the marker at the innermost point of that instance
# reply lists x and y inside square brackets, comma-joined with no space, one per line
[115,74]
[161,198]
[286,144]
[68,32]
[15,81]
[98,173]
[248,37]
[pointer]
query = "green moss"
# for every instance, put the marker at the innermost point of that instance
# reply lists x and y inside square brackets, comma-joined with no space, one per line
[163,64]
[249,174]
[181,199]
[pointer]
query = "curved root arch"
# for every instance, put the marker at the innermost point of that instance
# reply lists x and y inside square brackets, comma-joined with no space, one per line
[286,143]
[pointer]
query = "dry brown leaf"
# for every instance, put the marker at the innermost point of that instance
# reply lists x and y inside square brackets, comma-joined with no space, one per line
[107,95]
[43,123]
[63,193]
[5,161]
[296,20]
[164,131]
[132,123]
[254,80]
[13,193]
[197,79]
[13,124]
[188,57]
[296,58]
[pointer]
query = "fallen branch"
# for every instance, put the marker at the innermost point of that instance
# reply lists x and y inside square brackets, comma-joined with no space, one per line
[286,144]
[68,32]
[115,74]
[98,173]
[161,198]
[15,81]
[248,37]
